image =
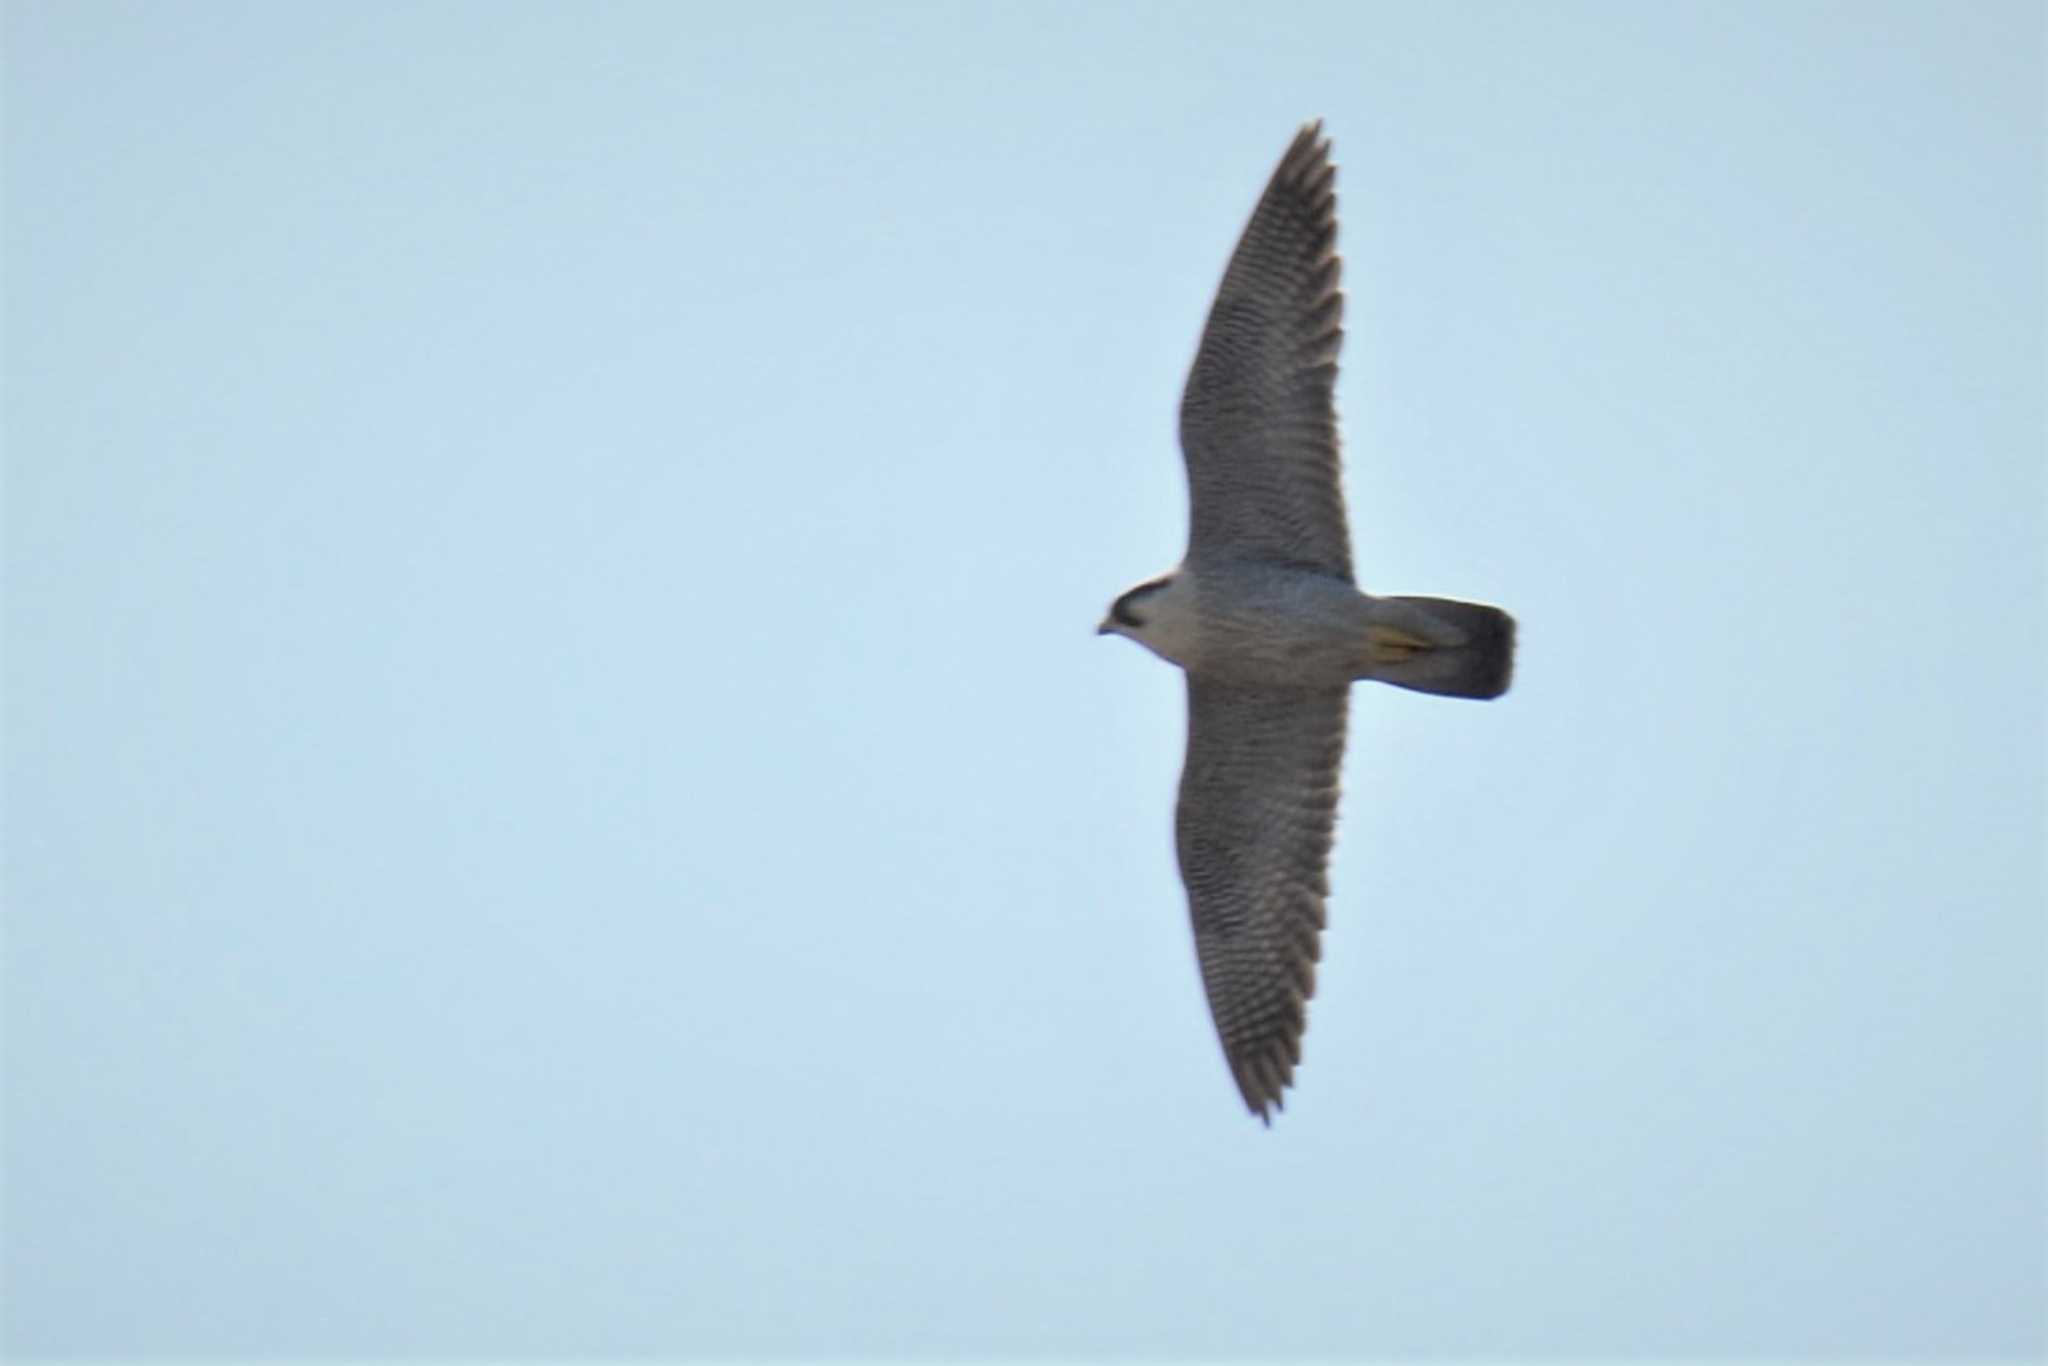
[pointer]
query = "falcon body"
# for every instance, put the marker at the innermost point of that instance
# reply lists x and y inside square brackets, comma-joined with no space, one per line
[1278,626]
[1266,619]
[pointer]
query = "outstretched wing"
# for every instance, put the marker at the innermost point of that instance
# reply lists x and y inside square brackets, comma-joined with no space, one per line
[1258,800]
[1258,424]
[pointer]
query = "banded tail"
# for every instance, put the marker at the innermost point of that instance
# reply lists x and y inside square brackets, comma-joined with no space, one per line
[1410,646]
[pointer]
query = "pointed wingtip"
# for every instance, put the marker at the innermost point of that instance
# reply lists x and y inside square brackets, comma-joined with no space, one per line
[1262,1081]
[1307,163]
[1265,1109]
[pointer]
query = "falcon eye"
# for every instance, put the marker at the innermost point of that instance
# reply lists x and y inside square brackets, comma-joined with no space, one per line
[1121,609]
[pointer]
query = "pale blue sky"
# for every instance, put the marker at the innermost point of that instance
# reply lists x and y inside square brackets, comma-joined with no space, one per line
[561,797]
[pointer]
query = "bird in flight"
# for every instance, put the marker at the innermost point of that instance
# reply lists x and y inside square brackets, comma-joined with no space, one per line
[1264,616]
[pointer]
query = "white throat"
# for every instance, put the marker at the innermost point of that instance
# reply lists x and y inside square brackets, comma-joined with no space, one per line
[1167,621]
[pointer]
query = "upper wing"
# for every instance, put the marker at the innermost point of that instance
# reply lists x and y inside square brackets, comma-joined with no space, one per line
[1258,425]
[1258,799]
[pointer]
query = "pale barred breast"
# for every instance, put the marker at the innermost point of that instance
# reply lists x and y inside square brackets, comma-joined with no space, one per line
[1277,626]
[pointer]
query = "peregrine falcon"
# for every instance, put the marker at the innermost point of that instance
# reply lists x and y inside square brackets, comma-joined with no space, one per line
[1266,619]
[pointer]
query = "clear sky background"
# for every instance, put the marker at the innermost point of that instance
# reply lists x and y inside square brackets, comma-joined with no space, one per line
[561,796]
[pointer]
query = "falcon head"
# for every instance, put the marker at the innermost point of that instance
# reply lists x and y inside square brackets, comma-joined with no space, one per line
[1130,614]
[1159,614]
